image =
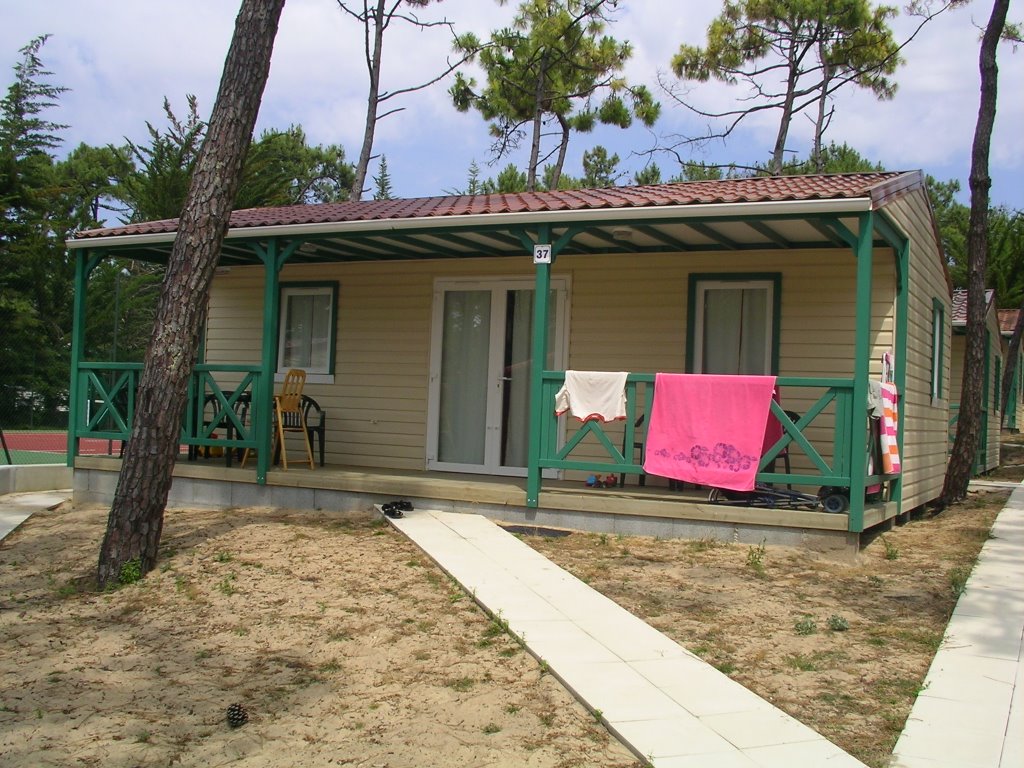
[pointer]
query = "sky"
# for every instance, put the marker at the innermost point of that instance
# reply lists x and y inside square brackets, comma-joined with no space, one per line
[120,58]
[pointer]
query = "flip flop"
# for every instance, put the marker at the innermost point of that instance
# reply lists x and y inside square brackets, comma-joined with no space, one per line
[390,510]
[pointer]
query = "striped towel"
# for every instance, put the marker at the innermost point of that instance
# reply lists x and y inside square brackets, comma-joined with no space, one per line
[890,419]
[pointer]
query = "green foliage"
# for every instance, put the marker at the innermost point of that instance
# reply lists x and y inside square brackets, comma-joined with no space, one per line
[157,176]
[552,64]
[382,182]
[650,174]
[130,572]
[281,168]
[837,623]
[812,48]
[510,180]
[892,552]
[35,273]
[755,558]
[806,625]
[599,170]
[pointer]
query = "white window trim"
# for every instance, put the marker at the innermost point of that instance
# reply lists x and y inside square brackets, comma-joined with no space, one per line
[328,289]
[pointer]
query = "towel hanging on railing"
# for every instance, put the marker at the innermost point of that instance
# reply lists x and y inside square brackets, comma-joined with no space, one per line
[591,395]
[708,429]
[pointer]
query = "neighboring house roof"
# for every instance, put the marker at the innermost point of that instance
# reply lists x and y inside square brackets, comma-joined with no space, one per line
[818,211]
[959,311]
[1007,321]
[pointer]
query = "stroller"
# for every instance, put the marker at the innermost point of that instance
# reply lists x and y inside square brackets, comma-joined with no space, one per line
[829,498]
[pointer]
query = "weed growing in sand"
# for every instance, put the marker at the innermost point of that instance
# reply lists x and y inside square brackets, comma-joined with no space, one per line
[802,663]
[227,585]
[461,685]
[958,579]
[547,719]
[603,539]
[806,625]
[130,572]
[892,552]
[837,623]
[755,558]
[875,581]
[224,557]
[598,714]
[725,667]
[491,728]
[511,709]
[143,737]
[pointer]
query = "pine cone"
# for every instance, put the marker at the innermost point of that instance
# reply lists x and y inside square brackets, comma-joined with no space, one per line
[237,716]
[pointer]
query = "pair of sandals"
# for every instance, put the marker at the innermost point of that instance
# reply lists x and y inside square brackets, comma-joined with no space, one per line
[395,509]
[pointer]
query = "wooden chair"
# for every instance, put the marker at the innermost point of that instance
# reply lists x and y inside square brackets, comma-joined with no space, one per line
[289,416]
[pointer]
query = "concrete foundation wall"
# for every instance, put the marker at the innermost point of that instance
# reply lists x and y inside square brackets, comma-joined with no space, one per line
[34,477]
[97,486]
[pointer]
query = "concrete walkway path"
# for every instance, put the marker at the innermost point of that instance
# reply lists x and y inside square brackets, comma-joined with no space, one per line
[16,508]
[971,711]
[661,701]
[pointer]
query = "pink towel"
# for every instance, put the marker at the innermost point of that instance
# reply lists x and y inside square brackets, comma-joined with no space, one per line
[890,419]
[708,430]
[593,395]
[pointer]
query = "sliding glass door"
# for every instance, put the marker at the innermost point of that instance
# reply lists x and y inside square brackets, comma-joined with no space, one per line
[480,373]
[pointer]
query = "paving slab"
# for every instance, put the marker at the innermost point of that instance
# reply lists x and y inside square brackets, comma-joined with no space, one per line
[16,508]
[660,700]
[970,713]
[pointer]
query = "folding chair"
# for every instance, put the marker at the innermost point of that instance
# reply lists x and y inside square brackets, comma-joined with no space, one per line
[289,417]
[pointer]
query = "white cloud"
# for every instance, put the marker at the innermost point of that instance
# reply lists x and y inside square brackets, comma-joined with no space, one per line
[121,57]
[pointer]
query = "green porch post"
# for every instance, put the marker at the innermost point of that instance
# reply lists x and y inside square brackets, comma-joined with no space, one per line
[263,400]
[539,356]
[861,372]
[84,265]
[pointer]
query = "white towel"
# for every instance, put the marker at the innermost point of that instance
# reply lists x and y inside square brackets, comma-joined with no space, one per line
[593,395]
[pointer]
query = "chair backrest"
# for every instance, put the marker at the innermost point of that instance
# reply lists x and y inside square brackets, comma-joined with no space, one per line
[291,393]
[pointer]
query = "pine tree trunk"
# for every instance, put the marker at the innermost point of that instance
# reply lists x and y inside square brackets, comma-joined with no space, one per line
[136,516]
[373,58]
[965,445]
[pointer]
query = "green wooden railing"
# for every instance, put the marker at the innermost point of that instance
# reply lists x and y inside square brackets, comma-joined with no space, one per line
[213,415]
[619,456]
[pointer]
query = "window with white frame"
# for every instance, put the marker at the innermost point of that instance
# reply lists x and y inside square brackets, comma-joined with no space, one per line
[307,331]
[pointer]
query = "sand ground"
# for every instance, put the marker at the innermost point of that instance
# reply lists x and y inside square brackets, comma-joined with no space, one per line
[348,647]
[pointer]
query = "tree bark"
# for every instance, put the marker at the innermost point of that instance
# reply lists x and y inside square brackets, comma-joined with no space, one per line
[373,57]
[136,515]
[965,445]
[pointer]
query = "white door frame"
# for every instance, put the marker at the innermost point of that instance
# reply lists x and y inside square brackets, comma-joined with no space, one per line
[493,437]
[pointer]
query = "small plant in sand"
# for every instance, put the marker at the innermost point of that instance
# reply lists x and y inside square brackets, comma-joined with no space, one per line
[837,623]
[461,685]
[491,728]
[755,558]
[806,625]
[130,572]
[958,579]
[892,552]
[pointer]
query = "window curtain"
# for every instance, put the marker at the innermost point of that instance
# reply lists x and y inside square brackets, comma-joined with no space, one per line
[465,349]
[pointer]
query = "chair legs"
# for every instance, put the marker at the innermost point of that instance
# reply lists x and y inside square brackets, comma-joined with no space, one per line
[277,443]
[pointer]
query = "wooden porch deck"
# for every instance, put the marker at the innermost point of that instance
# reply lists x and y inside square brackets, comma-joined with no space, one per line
[652,510]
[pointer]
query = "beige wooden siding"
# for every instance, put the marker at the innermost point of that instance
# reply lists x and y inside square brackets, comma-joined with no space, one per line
[631,315]
[377,405]
[925,421]
[996,352]
[625,313]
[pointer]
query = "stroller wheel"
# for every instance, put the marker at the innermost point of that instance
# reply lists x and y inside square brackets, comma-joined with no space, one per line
[835,503]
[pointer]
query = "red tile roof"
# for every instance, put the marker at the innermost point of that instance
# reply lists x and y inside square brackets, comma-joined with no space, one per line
[758,189]
[1007,320]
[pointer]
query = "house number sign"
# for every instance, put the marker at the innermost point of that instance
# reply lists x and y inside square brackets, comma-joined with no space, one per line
[542,253]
